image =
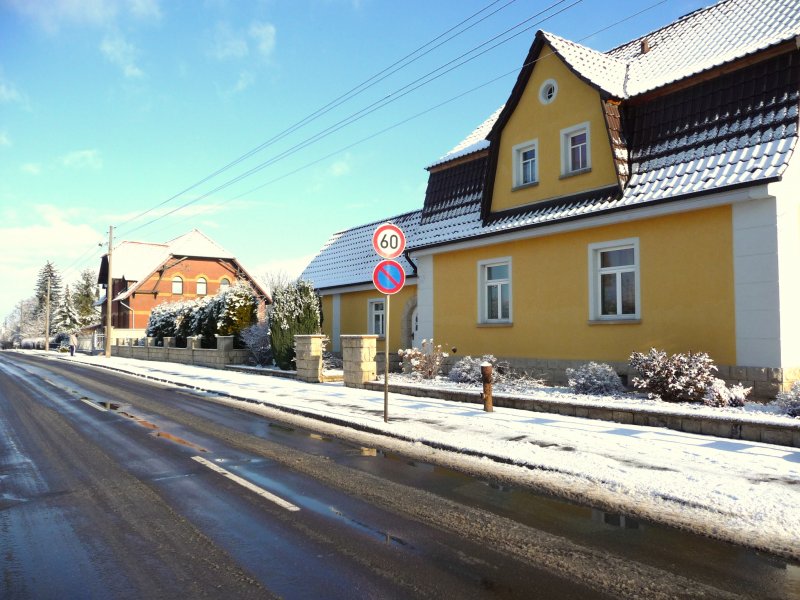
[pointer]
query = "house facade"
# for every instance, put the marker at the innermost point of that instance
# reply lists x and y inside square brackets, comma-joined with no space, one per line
[643,197]
[146,274]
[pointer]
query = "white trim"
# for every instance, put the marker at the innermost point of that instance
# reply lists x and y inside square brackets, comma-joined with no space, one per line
[361,287]
[482,285]
[425,297]
[336,322]
[371,312]
[545,83]
[628,216]
[595,314]
[516,154]
[566,134]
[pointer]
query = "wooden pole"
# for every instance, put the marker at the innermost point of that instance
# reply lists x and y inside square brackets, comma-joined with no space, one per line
[109,282]
[486,377]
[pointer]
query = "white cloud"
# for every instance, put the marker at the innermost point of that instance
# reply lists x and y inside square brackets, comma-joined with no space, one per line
[120,52]
[340,167]
[8,91]
[82,159]
[246,79]
[53,15]
[264,36]
[4,139]
[145,9]
[227,44]
[31,168]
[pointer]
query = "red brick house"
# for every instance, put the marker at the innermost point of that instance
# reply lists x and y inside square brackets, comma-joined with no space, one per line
[146,274]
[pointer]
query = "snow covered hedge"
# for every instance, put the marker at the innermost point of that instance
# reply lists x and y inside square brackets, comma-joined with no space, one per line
[789,402]
[227,313]
[295,311]
[597,379]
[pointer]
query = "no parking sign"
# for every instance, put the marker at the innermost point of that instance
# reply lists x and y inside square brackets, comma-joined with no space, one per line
[388,277]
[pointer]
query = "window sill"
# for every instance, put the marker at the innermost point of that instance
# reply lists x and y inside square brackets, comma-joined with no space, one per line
[495,325]
[524,186]
[635,321]
[574,173]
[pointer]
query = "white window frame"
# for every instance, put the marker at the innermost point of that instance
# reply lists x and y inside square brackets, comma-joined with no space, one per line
[224,284]
[566,149]
[177,279]
[595,272]
[483,293]
[371,313]
[516,153]
[204,281]
[545,84]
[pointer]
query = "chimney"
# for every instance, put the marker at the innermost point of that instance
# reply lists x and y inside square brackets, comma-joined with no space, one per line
[645,46]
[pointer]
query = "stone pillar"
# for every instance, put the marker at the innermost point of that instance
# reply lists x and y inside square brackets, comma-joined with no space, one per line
[224,343]
[358,353]
[150,341]
[195,342]
[169,342]
[308,357]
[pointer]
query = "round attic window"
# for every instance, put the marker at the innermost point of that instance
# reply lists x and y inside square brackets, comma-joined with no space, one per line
[548,91]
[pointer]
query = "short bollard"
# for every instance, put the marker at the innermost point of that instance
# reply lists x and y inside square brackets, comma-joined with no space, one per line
[486,377]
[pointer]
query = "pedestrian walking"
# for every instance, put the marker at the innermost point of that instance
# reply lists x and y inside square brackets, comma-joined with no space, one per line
[73,343]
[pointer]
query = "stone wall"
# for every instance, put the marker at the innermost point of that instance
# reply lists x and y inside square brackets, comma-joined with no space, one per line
[358,354]
[193,355]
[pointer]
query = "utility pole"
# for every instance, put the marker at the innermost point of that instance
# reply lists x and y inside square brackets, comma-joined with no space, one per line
[109,281]
[47,317]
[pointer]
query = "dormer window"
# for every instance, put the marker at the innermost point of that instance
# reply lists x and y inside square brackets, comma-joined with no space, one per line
[548,91]
[575,150]
[526,163]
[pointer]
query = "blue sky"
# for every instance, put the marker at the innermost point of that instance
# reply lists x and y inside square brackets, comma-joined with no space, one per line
[111,108]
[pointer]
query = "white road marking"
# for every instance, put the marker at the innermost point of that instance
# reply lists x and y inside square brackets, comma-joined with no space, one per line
[244,483]
[93,405]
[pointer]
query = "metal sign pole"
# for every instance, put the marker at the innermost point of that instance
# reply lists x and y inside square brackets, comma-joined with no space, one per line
[386,363]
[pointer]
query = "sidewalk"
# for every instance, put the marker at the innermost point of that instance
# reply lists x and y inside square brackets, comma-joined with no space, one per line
[743,492]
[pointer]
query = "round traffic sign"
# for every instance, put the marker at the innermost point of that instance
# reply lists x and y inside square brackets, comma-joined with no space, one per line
[389,241]
[388,277]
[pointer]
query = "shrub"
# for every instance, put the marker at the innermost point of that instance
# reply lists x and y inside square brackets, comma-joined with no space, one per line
[257,340]
[295,311]
[426,362]
[598,379]
[676,378]
[718,394]
[237,310]
[789,401]
[468,369]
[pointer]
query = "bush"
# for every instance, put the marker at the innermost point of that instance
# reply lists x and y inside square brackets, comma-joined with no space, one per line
[426,362]
[257,340]
[676,378]
[789,402]
[597,379]
[468,369]
[718,394]
[295,311]
[237,310]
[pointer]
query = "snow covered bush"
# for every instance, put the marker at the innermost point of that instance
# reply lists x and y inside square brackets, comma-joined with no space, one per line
[426,362]
[257,340]
[718,394]
[789,402]
[295,311]
[468,369]
[238,308]
[163,321]
[676,378]
[597,379]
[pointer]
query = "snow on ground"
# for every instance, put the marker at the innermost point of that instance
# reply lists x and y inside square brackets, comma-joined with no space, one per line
[740,491]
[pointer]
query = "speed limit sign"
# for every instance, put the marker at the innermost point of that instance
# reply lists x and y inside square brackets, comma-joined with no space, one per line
[389,241]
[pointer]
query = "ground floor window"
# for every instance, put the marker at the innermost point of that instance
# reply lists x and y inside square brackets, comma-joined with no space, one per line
[614,280]
[377,317]
[494,291]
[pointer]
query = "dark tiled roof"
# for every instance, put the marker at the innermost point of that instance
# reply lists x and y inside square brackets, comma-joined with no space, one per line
[453,188]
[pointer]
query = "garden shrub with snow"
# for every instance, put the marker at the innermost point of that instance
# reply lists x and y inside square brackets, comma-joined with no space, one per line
[789,401]
[677,378]
[597,379]
[295,311]
[720,395]
[257,340]
[426,362]
[468,369]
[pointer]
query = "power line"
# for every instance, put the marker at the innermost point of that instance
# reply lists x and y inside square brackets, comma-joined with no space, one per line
[338,101]
[389,99]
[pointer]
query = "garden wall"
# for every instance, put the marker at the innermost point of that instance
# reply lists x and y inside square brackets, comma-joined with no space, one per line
[224,355]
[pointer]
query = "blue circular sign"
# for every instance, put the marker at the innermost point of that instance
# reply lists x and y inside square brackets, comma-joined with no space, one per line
[388,277]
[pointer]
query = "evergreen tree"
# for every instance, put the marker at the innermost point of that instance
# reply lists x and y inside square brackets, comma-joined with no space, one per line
[66,318]
[295,311]
[85,296]
[48,271]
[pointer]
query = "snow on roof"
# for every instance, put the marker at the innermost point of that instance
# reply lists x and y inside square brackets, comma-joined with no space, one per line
[133,261]
[196,243]
[604,71]
[474,142]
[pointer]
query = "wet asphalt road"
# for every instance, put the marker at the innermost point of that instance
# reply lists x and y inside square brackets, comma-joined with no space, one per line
[107,491]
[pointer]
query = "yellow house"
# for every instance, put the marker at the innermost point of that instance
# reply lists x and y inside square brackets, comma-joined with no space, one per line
[642,197]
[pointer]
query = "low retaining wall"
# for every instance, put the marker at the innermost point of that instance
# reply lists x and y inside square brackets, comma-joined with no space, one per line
[219,358]
[733,427]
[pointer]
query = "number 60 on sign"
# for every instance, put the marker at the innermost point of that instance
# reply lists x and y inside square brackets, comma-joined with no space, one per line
[389,241]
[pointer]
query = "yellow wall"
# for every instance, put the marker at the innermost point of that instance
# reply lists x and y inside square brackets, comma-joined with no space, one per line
[576,102]
[354,309]
[687,294]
